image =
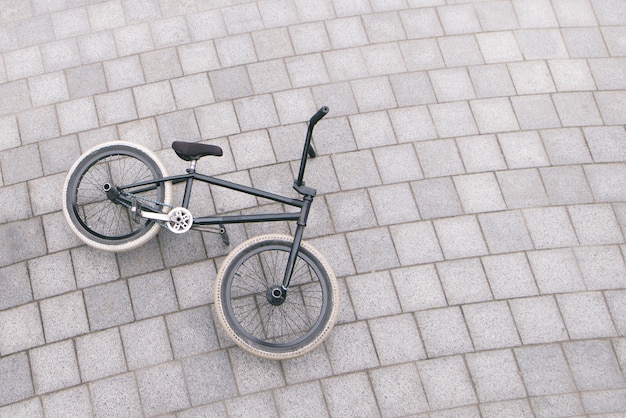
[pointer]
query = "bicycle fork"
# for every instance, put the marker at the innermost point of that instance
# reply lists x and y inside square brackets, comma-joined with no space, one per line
[276,295]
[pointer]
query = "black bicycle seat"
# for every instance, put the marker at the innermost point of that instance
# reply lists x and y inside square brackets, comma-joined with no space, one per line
[189,151]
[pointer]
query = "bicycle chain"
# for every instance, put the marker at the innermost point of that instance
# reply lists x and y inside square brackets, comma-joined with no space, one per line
[145,199]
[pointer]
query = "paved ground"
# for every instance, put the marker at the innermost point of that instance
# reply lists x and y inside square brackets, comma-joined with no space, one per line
[472,202]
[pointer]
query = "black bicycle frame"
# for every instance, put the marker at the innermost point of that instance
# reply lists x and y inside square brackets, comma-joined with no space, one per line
[300,217]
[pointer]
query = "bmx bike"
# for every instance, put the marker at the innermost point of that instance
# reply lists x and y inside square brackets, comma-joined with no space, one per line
[276,296]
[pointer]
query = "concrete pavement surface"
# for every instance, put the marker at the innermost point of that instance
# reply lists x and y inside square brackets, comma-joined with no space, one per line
[471,199]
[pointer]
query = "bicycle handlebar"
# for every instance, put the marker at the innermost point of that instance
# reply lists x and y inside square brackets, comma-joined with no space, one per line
[307,143]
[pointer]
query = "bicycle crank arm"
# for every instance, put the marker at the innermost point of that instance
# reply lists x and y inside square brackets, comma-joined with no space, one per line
[163,217]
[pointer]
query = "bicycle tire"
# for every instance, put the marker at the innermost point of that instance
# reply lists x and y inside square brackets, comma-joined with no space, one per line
[96,220]
[310,309]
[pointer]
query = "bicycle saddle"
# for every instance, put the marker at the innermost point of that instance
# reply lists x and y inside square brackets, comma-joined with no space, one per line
[189,151]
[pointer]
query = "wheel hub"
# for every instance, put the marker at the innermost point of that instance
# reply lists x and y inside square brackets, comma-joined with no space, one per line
[275,295]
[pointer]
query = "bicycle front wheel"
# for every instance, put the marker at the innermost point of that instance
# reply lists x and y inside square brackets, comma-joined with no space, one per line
[92,216]
[276,331]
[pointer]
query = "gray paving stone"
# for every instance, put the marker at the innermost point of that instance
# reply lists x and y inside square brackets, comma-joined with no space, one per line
[178,126]
[162,389]
[169,32]
[393,204]
[77,115]
[22,63]
[254,374]
[48,89]
[105,16]
[217,120]
[60,55]
[464,281]
[31,242]
[345,65]
[14,160]
[373,94]
[535,112]
[192,91]
[356,169]
[460,50]
[447,382]
[437,198]
[572,75]
[192,332]
[453,119]
[152,294]
[116,107]
[74,401]
[17,97]
[93,267]
[350,348]
[538,320]
[310,396]
[133,39]
[14,281]
[574,13]
[95,47]
[606,143]
[146,343]
[17,384]
[604,401]
[256,113]
[337,245]
[595,224]
[10,132]
[499,47]
[347,32]
[108,305]
[491,325]
[397,163]
[479,193]
[523,149]
[116,396]
[197,57]
[566,185]
[577,109]
[480,153]
[451,84]
[293,105]
[269,76]
[602,267]
[439,158]
[40,188]
[541,43]
[350,394]
[517,407]
[444,332]
[418,288]
[54,367]
[38,124]
[566,146]
[154,99]
[522,188]
[372,250]
[34,30]
[31,408]
[612,36]
[555,405]
[86,80]
[398,399]
[396,339]
[275,43]
[416,243]
[413,88]
[315,365]
[491,80]
[207,378]
[256,404]
[556,271]
[458,19]
[584,42]
[58,236]
[143,132]
[531,77]
[100,355]
[51,275]
[20,329]
[544,370]
[194,284]
[496,16]
[594,365]
[58,155]
[422,54]
[550,227]
[276,14]
[495,375]
[607,73]
[160,65]
[17,202]
[612,105]
[614,300]
[383,59]
[586,315]
[64,316]
[217,409]
[362,287]
[460,237]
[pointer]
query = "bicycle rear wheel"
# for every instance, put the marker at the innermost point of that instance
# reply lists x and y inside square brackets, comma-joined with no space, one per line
[283,331]
[92,216]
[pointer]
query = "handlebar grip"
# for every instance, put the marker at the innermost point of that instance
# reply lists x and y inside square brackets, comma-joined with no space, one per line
[319,115]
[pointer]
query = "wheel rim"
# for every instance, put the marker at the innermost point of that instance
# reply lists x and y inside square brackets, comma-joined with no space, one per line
[90,206]
[282,327]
